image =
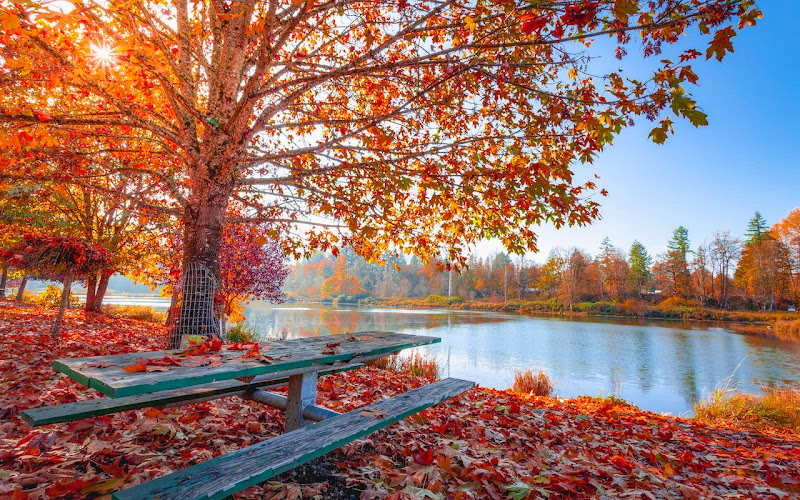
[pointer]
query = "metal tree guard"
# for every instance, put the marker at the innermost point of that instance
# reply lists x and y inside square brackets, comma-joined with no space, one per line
[196,311]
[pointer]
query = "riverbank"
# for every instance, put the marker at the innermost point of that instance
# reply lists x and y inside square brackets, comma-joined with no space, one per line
[484,444]
[777,324]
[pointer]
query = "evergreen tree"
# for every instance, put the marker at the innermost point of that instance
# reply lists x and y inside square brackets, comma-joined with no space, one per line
[679,244]
[756,228]
[640,262]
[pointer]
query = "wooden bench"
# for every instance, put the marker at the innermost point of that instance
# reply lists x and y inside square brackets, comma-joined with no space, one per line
[227,474]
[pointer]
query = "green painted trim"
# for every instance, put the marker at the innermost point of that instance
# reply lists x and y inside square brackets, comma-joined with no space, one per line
[89,408]
[69,372]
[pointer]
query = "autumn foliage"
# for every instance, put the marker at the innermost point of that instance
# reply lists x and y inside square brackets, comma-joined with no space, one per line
[483,444]
[53,257]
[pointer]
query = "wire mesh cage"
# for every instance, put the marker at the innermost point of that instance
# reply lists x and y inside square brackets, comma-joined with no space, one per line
[194,310]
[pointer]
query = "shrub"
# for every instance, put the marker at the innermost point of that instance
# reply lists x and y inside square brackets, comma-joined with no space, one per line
[417,364]
[240,332]
[671,302]
[140,313]
[441,300]
[525,382]
[776,407]
[51,297]
[635,307]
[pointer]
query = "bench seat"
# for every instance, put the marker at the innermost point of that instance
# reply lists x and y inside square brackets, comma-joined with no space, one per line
[227,474]
[102,406]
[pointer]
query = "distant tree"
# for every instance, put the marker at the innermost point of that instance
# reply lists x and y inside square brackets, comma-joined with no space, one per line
[679,244]
[552,272]
[787,230]
[724,250]
[341,283]
[764,270]
[640,262]
[613,270]
[575,280]
[702,277]
[756,228]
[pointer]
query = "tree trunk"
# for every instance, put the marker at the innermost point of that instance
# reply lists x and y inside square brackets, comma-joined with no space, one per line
[204,221]
[102,288]
[3,280]
[21,290]
[64,303]
[96,290]
[91,287]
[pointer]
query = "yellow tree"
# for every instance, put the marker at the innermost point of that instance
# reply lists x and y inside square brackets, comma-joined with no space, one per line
[342,282]
[417,126]
[787,230]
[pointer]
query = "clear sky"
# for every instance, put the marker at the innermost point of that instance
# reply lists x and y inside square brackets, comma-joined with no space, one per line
[710,178]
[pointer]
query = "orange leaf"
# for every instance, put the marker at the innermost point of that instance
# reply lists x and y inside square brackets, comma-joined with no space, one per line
[135,368]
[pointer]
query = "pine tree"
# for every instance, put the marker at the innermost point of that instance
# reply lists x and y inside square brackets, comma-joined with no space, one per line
[756,228]
[640,262]
[679,242]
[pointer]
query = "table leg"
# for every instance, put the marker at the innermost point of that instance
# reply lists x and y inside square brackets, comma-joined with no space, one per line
[302,392]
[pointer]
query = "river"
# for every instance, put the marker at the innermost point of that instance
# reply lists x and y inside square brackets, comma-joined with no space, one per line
[656,365]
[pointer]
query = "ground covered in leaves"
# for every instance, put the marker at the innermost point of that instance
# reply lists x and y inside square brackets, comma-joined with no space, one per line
[483,444]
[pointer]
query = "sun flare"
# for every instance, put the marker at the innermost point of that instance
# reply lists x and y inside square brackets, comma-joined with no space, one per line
[102,54]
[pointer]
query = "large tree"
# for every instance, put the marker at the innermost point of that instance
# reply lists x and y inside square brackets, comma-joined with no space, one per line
[416,126]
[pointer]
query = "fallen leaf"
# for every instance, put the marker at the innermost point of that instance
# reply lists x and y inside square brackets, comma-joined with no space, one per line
[135,368]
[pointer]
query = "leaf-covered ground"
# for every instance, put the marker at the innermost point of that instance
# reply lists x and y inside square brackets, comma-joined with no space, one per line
[484,444]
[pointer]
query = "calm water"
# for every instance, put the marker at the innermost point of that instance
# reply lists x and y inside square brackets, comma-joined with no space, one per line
[659,366]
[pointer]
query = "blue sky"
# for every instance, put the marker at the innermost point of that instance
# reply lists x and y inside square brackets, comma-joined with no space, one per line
[710,178]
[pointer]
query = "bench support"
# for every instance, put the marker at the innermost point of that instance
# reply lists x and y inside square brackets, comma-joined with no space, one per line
[302,393]
[311,412]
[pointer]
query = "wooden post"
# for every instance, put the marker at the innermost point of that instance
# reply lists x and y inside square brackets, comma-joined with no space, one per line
[302,392]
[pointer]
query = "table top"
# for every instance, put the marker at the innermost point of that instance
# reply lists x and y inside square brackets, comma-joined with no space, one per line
[145,372]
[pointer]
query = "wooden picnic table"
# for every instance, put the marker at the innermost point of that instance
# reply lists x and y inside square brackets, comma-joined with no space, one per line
[174,377]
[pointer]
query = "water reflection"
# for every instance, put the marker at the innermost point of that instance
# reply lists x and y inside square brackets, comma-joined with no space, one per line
[659,366]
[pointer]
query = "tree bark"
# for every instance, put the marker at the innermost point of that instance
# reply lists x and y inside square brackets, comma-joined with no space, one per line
[91,287]
[64,303]
[96,290]
[102,288]
[204,221]
[21,290]
[3,280]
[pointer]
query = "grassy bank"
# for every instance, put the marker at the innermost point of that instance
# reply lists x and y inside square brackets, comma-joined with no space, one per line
[779,324]
[777,407]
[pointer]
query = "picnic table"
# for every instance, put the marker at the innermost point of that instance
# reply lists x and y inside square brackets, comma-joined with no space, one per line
[210,370]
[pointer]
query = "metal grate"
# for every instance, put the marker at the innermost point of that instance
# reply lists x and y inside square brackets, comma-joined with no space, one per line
[196,311]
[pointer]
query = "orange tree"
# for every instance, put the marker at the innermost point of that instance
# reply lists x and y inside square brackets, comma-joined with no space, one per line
[416,126]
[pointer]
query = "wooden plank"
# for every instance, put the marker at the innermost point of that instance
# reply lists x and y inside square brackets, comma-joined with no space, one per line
[227,474]
[289,354]
[102,406]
